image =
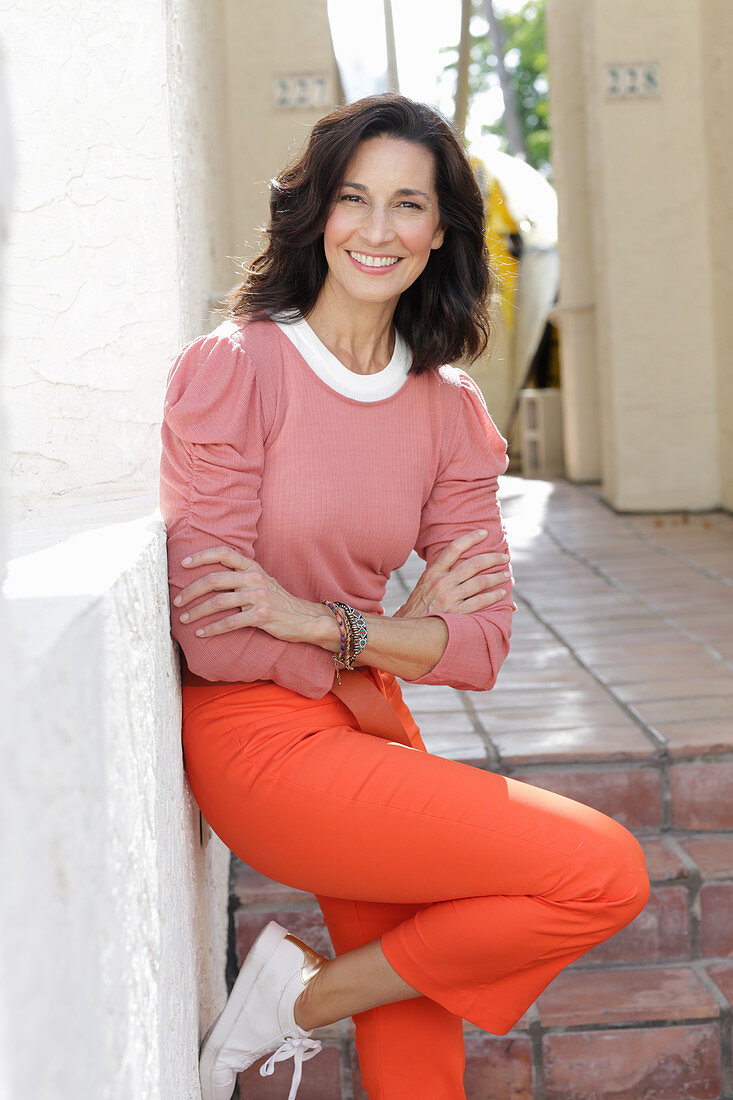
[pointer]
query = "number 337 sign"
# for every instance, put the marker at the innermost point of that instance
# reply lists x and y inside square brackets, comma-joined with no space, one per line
[632,80]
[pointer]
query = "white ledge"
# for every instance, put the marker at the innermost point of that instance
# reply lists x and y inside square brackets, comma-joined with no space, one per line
[113,883]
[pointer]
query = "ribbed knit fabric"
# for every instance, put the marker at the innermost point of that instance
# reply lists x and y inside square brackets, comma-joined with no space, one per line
[328,492]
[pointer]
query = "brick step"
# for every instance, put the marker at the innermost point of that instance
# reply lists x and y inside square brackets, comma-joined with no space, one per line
[689,915]
[632,1033]
[643,794]
[647,792]
[569,738]
[650,1009]
[683,795]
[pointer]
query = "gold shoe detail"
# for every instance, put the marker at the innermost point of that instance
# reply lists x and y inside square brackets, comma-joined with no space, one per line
[313,961]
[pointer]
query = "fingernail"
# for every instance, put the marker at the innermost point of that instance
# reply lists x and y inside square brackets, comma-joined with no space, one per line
[502,591]
[505,557]
[200,633]
[184,617]
[185,561]
[482,532]
[177,600]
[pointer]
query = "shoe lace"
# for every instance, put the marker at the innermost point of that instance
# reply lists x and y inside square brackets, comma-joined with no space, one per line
[298,1049]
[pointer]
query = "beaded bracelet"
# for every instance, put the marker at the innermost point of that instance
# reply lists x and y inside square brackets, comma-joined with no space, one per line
[346,632]
[353,631]
[359,634]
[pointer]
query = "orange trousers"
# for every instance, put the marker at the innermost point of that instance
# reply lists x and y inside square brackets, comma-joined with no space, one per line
[481,888]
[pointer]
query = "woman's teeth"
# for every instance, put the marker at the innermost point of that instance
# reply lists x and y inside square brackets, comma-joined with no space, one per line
[374,261]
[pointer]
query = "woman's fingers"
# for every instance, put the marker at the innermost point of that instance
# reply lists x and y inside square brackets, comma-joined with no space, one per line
[202,585]
[479,563]
[482,583]
[222,626]
[222,601]
[233,578]
[448,557]
[224,555]
[239,589]
[482,600]
[476,591]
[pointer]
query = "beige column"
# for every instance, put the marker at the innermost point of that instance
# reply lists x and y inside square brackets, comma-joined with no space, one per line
[653,269]
[717,70]
[575,312]
[281,78]
[645,235]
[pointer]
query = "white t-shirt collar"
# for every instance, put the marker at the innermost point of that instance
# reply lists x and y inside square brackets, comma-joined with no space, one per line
[361,387]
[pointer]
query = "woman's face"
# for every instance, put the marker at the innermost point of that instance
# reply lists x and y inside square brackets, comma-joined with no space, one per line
[385,220]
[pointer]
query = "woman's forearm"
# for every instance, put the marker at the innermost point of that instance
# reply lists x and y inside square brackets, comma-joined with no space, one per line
[408,648]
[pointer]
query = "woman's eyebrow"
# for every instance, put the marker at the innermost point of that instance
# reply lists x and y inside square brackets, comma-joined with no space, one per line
[400,191]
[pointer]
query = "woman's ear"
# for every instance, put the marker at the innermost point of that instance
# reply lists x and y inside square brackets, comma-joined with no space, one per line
[438,236]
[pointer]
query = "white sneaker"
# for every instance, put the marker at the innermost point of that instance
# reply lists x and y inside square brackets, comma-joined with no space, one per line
[258,1017]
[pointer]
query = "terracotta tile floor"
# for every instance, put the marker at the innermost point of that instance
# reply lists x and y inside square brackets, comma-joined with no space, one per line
[618,691]
[616,646]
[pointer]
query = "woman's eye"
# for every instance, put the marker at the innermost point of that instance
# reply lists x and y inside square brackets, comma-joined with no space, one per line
[405,203]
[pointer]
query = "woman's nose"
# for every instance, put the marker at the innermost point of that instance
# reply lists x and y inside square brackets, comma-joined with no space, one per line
[377,226]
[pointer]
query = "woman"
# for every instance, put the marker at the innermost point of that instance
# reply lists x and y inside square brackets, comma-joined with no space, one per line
[309,444]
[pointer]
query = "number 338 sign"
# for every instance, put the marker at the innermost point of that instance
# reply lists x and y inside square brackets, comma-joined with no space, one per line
[632,80]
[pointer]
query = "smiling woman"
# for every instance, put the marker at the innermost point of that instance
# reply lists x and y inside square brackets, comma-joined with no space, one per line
[375,230]
[310,444]
[385,182]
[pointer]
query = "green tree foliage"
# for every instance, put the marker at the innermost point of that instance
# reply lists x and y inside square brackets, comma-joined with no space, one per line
[525,58]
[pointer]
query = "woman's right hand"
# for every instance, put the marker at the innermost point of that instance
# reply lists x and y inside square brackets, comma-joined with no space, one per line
[458,588]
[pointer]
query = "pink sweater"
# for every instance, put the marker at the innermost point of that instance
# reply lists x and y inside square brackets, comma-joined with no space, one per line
[328,493]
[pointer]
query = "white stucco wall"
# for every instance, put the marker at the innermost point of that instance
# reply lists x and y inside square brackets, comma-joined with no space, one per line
[113,915]
[118,238]
[7,183]
[114,930]
[9,656]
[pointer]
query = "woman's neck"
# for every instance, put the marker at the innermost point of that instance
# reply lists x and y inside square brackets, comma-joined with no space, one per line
[359,334]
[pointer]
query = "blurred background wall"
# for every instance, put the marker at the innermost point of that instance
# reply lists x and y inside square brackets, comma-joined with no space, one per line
[643,167]
[281,76]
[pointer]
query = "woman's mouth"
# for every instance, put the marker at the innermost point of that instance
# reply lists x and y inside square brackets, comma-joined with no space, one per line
[373,264]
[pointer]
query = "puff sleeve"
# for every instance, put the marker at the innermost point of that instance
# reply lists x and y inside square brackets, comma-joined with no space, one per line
[213,446]
[463,498]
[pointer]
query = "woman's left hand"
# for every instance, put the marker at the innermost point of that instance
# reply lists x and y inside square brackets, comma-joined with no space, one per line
[458,587]
[255,598]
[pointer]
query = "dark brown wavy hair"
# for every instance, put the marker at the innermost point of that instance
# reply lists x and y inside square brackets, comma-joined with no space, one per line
[443,315]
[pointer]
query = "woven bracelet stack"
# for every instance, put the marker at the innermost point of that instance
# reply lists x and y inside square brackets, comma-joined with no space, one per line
[353,630]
